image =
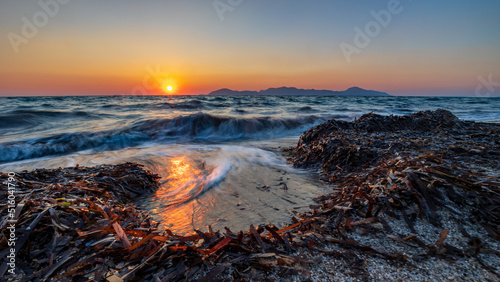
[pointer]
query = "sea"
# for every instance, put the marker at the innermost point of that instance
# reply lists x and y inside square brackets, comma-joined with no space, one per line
[220,158]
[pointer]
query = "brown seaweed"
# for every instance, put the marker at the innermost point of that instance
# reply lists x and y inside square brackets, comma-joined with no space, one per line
[80,223]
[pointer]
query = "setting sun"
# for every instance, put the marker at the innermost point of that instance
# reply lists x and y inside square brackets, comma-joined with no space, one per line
[167,87]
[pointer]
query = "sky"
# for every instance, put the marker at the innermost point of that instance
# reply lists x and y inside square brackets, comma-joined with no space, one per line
[95,47]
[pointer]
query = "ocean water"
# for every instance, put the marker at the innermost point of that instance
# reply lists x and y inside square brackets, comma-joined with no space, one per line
[219,157]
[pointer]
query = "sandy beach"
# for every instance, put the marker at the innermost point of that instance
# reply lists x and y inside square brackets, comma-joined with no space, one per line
[403,208]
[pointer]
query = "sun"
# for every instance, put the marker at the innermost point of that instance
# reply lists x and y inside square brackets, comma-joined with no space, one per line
[167,87]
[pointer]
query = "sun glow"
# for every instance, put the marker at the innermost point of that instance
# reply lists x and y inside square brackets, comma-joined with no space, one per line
[167,87]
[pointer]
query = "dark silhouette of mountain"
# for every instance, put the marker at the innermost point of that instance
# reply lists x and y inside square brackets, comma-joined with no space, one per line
[292,91]
[229,92]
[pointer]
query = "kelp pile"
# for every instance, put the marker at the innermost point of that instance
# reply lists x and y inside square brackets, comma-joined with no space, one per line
[79,224]
[407,167]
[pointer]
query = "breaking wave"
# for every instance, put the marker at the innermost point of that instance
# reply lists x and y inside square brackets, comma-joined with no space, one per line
[199,127]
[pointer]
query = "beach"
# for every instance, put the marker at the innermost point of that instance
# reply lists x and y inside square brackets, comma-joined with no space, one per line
[407,197]
[233,140]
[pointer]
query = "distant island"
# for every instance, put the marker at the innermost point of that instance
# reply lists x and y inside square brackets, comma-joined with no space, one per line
[292,91]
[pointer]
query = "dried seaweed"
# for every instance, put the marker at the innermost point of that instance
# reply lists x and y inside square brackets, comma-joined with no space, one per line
[412,162]
[402,164]
[80,223]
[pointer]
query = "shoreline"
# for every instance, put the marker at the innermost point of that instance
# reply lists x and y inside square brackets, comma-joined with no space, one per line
[391,194]
[423,185]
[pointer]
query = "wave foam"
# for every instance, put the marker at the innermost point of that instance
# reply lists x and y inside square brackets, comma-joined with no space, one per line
[199,127]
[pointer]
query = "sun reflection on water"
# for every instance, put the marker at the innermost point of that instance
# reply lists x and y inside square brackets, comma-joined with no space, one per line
[183,181]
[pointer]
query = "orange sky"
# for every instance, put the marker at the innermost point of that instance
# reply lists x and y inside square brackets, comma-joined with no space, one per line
[97,48]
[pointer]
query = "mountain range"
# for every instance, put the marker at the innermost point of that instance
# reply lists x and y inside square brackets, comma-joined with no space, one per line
[292,91]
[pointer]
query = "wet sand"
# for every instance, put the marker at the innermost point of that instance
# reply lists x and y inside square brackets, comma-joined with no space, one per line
[231,185]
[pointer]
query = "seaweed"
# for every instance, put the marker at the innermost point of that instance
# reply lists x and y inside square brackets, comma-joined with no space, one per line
[80,223]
